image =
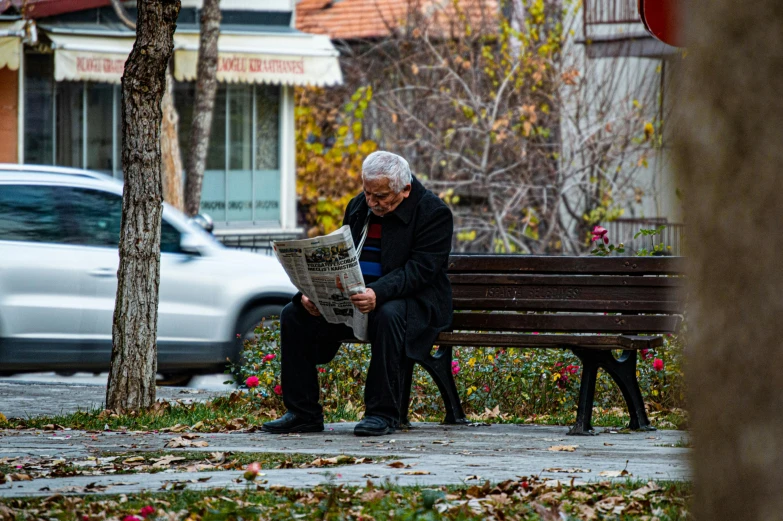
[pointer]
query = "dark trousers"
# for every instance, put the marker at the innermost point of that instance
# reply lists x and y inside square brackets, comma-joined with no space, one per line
[307,341]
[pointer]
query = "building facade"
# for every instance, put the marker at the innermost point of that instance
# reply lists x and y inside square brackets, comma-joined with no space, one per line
[60,75]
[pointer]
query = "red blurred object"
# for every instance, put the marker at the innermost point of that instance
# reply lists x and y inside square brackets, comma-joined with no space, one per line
[44,8]
[663,19]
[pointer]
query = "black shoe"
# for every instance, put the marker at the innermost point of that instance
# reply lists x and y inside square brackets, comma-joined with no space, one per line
[373,426]
[291,423]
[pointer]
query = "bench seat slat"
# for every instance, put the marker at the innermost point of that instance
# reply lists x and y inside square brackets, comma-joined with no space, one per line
[467,302]
[507,340]
[582,323]
[567,265]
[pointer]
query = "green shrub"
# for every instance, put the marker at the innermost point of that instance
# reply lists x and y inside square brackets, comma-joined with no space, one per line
[524,384]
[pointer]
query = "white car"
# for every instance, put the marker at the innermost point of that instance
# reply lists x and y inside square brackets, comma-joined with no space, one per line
[59,230]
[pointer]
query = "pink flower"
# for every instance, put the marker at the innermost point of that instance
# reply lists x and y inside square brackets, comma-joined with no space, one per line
[252,381]
[130,518]
[278,390]
[559,364]
[535,332]
[658,364]
[454,367]
[146,511]
[252,471]
[269,357]
[606,240]
[599,233]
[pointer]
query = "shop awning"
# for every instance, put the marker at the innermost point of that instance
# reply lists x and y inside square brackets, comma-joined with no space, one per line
[288,59]
[10,44]
[90,58]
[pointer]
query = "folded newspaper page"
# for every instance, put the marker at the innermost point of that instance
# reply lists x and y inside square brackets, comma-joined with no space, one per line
[326,269]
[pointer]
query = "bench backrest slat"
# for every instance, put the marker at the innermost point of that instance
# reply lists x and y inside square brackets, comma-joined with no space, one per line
[628,285]
[568,265]
[565,323]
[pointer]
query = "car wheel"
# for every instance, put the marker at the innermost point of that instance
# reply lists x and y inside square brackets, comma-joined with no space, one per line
[175,380]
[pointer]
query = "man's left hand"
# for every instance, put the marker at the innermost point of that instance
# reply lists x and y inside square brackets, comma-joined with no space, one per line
[364,302]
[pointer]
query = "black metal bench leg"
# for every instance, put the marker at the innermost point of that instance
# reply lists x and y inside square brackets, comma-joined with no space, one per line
[439,368]
[584,412]
[623,372]
[407,382]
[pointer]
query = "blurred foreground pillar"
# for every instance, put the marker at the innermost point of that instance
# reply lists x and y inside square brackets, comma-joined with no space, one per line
[730,161]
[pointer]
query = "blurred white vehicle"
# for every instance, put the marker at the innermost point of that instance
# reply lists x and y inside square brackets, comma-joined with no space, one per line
[59,230]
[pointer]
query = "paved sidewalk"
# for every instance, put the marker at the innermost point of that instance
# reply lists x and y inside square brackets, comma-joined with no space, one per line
[438,455]
[29,399]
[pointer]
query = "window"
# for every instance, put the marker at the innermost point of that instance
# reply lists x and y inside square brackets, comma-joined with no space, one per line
[70,123]
[79,124]
[242,176]
[95,217]
[29,213]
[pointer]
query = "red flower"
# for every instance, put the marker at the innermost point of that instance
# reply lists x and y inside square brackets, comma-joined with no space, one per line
[558,364]
[321,370]
[644,353]
[130,518]
[252,471]
[269,357]
[606,240]
[658,364]
[599,233]
[562,382]
[252,381]
[573,369]
[146,511]
[278,390]
[486,388]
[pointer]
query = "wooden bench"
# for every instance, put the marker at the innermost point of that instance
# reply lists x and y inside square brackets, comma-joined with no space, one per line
[590,305]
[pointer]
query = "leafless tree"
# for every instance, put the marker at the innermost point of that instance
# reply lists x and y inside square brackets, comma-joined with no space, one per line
[528,140]
[206,87]
[134,352]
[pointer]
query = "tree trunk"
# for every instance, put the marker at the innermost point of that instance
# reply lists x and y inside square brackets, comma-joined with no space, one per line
[170,149]
[206,87]
[134,352]
[729,155]
[169,145]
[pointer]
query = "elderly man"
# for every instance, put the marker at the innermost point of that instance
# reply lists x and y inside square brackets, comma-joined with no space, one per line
[407,240]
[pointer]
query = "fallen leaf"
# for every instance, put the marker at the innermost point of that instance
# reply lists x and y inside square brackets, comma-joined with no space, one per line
[396,465]
[614,473]
[19,477]
[562,448]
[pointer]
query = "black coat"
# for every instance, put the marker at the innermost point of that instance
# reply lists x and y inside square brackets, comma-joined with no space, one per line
[415,248]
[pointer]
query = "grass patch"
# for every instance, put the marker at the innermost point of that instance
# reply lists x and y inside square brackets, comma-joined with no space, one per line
[242,411]
[526,499]
[169,461]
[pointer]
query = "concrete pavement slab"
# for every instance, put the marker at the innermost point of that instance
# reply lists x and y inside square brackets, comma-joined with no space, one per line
[436,455]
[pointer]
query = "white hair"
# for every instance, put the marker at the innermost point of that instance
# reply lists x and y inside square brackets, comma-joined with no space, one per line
[387,165]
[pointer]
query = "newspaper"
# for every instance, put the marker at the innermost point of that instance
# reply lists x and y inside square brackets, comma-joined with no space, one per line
[326,269]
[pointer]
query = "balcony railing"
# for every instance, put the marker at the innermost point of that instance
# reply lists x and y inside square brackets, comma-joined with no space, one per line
[672,236]
[610,12]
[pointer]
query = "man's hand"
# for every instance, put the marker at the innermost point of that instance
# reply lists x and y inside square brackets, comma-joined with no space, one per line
[364,302]
[310,307]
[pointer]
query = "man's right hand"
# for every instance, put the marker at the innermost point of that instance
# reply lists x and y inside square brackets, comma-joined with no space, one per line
[310,307]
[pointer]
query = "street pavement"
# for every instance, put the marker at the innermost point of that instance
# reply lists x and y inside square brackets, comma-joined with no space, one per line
[433,454]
